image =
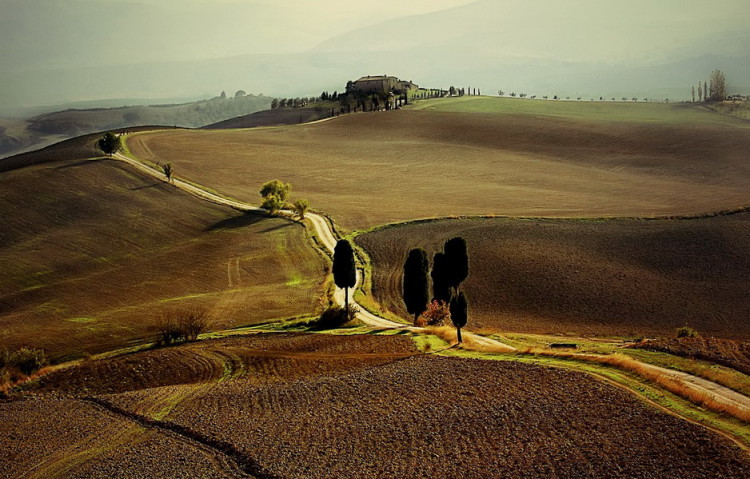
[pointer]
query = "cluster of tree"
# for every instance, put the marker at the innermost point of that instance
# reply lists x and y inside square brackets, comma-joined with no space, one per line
[292,102]
[715,89]
[450,268]
[453,91]
[325,96]
[274,196]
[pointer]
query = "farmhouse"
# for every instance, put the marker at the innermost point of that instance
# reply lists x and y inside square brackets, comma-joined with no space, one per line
[383,83]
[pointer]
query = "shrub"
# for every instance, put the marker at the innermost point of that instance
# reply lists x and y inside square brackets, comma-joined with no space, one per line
[335,317]
[437,313]
[187,327]
[686,332]
[25,360]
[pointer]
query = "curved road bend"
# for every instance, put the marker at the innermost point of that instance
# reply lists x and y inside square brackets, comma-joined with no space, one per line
[328,239]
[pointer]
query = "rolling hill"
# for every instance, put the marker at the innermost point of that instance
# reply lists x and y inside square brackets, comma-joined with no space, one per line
[95,255]
[518,158]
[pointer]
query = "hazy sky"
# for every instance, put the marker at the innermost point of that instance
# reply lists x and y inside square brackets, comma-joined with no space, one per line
[297,46]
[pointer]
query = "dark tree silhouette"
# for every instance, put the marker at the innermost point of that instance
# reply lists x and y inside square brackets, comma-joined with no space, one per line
[344,268]
[168,171]
[416,285]
[110,143]
[441,290]
[459,313]
[457,258]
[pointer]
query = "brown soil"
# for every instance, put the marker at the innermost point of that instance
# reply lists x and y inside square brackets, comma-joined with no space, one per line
[316,409]
[369,169]
[95,254]
[733,354]
[621,277]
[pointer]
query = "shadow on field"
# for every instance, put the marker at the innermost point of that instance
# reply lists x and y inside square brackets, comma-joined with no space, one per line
[277,227]
[81,163]
[146,186]
[240,221]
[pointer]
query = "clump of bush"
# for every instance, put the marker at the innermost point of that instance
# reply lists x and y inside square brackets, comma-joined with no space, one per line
[437,314]
[186,326]
[334,317]
[23,362]
[686,332]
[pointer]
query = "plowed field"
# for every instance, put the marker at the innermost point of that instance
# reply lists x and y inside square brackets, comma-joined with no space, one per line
[369,169]
[356,406]
[622,277]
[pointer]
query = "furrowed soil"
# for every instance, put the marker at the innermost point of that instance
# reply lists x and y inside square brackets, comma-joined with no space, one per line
[602,277]
[314,406]
[95,255]
[373,168]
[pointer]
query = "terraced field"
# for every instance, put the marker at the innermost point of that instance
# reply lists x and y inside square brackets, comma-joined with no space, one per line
[94,255]
[308,406]
[369,169]
[615,277]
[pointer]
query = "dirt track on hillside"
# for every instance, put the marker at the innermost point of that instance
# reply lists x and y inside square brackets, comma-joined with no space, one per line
[425,164]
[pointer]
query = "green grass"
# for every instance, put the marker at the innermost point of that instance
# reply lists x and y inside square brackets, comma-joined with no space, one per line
[600,111]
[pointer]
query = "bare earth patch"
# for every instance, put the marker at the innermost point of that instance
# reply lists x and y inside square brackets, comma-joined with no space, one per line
[309,406]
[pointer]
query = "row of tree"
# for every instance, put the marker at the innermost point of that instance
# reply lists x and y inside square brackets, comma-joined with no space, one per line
[715,89]
[450,268]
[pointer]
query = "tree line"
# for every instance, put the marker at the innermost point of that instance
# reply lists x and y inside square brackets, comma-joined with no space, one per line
[714,89]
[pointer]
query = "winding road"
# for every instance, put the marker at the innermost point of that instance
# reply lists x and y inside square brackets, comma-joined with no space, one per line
[328,239]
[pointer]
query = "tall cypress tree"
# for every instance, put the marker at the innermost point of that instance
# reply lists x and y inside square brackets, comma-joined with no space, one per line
[441,289]
[344,268]
[459,313]
[457,261]
[416,285]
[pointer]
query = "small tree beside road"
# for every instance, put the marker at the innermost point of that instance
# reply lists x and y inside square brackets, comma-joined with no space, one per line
[459,313]
[168,171]
[274,194]
[344,268]
[110,143]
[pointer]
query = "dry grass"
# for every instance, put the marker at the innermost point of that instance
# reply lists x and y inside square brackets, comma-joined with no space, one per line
[93,254]
[671,384]
[617,277]
[364,169]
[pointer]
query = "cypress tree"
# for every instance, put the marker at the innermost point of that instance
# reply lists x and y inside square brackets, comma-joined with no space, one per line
[457,261]
[344,268]
[416,284]
[441,290]
[459,313]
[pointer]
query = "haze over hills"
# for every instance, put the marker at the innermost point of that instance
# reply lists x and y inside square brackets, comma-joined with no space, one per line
[182,49]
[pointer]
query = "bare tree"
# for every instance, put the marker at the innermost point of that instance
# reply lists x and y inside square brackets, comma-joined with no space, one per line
[700,92]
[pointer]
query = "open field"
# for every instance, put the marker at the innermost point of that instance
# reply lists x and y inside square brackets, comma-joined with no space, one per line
[603,277]
[309,406]
[94,255]
[279,116]
[373,168]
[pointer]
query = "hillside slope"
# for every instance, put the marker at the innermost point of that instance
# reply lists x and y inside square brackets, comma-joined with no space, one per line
[94,255]
[371,168]
[621,277]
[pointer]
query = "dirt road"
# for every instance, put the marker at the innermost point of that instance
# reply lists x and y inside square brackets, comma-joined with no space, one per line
[328,239]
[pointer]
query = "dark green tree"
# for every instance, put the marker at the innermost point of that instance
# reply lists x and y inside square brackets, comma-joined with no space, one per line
[441,290]
[416,291]
[459,313]
[457,259]
[110,143]
[344,268]
[168,171]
